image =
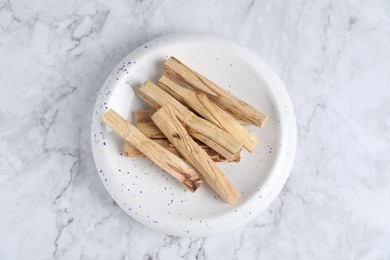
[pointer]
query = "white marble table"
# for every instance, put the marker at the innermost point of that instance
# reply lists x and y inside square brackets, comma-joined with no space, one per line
[334,58]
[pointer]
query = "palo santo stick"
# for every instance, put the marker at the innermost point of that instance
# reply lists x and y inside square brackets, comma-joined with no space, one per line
[186,96]
[216,138]
[144,123]
[209,110]
[223,98]
[237,119]
[150,130]
[169,162]
[130,150]
[166,120]
[144,116]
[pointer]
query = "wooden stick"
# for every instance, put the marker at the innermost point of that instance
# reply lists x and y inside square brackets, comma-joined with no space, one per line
[144,116]
[130,150]
[216,138]
[237,119]
[169,162]
[150,130]
[209,110]
[186,96]
[223,98]
[166,120]
[144,123]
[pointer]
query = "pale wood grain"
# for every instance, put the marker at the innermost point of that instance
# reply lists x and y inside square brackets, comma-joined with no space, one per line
[166,120]
[150,130]
[144,116]
[223,98]
[209,110]
[171,163]
[130,150]
[199,128]
[144,123]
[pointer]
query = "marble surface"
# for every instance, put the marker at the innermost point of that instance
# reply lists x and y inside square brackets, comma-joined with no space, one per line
[334,58]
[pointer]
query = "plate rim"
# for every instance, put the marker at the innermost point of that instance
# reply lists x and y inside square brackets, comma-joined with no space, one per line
[292,140]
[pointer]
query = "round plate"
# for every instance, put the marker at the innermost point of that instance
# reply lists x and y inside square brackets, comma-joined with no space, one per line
[151,195]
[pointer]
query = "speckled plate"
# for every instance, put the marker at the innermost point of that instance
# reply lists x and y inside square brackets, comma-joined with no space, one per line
[152,196]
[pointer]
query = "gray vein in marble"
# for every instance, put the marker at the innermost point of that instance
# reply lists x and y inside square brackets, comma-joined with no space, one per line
[74,170]
[321,105]
[97,23]
[60,230]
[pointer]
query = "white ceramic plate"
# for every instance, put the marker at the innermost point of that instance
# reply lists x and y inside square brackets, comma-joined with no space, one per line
[151,195]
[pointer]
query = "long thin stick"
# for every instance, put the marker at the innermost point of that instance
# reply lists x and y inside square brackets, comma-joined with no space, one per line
[166,120]
[144,116]
[150,130]
[216,138]
[179,169]
[130,150]
[209,110]
[227,101]
[144,123]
